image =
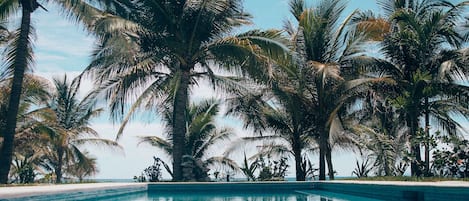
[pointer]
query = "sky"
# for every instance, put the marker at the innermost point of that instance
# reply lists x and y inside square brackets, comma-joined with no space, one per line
[62,47]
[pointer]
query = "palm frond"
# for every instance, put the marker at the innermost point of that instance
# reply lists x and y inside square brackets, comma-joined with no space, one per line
[220,160]
[157,142]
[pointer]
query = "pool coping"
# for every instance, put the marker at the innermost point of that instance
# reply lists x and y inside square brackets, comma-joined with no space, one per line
[401,191]
[7,193]
[53,189]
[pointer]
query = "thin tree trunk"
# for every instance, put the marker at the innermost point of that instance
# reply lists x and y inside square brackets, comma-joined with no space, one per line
[58,169]
[329,162]
[181,101]
[427,138]
[20,63]
[322,154]
[415,149]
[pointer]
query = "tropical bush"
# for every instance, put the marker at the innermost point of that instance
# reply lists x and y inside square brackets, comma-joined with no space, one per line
[453,159]
[272,170]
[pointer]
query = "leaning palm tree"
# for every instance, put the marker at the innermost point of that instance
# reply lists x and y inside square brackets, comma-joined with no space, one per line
[156,51]
[66,126]
[202,134]
[20,58]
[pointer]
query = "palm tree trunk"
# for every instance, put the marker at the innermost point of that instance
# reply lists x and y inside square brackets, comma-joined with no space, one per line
[329,162]
[20,63]
[58,168]
[181,101]
[322,155]
[427,138]
[415,149]
[300,173]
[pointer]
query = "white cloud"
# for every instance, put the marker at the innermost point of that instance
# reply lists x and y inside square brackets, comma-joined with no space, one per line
[60,44]
[134,159]
[61,48]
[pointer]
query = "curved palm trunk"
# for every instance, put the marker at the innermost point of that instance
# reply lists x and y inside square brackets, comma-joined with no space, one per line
[179,124]
[20,63]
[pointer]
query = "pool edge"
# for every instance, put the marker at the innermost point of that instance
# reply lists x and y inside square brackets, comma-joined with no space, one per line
[420,191]
[29,192]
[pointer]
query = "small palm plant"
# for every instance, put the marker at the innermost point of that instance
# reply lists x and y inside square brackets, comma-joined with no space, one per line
[249,169]
[362,169]
[66,126]
[202,134]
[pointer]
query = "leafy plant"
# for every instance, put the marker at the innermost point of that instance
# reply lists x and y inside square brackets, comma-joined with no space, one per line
[362,169]
[153,172]
[272,170]
[453,162]
[309,168]
[249,169]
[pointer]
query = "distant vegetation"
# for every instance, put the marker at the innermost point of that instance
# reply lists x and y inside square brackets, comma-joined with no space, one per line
[390,85]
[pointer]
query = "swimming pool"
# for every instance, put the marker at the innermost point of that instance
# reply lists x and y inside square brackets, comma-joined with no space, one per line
[226,196]
[245,191]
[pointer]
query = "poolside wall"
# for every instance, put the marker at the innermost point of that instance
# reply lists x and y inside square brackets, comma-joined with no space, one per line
[229,186]
[397,192]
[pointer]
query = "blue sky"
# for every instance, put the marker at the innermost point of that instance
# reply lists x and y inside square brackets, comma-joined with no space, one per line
[62,47]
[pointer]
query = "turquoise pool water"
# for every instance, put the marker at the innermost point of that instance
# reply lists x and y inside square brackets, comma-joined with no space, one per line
[251,196]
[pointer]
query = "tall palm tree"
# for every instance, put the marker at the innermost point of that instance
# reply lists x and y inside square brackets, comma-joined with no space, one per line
[66,126]
[20,58]
[201,135]
[331,51]
[158,50]
[421,53]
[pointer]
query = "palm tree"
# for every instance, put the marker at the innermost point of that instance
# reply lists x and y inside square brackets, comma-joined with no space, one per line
[386,150]
[158,50]
[202,134]
[20,58]
[66,126]
[330,51]
[86,167]
[421,52]
[35,95]
[284,112]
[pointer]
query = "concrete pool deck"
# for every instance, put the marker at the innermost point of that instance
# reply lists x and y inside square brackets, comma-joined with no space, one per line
[345,186]
[51,189]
